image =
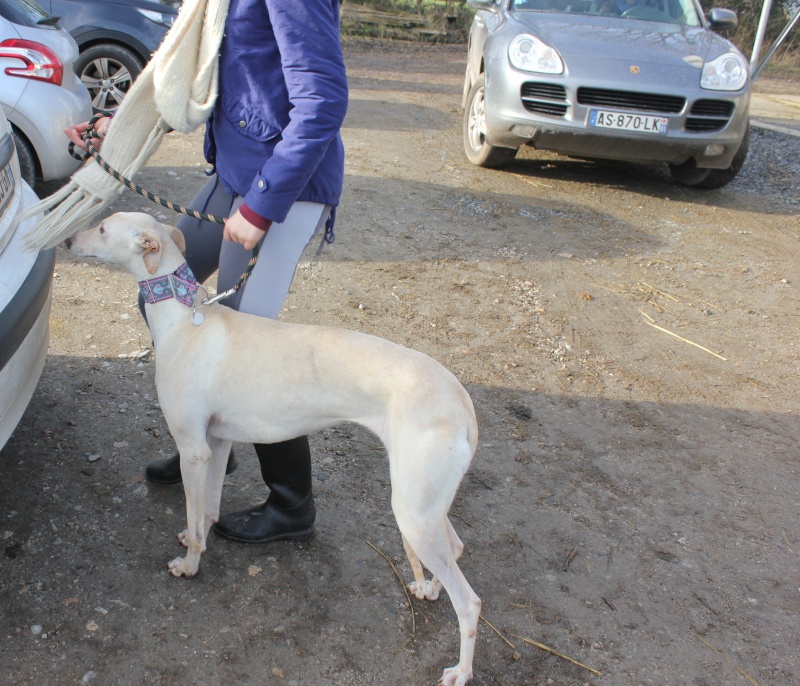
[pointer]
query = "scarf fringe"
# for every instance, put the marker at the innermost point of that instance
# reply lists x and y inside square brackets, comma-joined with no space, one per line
[77,211]
[76,206]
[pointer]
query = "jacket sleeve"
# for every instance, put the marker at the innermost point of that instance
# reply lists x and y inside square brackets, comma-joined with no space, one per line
[307,34]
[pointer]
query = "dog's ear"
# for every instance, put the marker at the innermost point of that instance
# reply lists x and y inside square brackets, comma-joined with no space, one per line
[177,236]
[150,243]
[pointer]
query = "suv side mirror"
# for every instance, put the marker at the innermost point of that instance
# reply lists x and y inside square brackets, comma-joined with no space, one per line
[722,20]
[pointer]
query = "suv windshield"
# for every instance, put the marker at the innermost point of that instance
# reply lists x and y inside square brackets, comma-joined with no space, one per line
[669,11]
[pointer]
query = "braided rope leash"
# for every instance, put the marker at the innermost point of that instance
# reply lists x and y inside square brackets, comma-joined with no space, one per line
[91,151]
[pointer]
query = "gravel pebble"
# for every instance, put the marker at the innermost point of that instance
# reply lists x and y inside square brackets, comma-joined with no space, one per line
[771,168]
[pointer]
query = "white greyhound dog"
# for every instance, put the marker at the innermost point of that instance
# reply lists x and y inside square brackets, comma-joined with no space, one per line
[213,391]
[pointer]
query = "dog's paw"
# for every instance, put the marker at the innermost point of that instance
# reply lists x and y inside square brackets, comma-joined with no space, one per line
[181,567]
[427,590]
[183,537]
[453,676]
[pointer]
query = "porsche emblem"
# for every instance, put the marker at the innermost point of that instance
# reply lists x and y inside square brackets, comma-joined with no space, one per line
[634,69]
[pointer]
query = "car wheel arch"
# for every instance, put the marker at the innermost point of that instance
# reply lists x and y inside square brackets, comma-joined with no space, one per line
[91,39]
[470,79]
[29,164]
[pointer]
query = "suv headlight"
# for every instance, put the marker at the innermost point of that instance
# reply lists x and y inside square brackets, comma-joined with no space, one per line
[726,73]
[163,18]
[528,53]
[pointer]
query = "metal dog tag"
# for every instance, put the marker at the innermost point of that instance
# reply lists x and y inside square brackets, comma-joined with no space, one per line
[199,300]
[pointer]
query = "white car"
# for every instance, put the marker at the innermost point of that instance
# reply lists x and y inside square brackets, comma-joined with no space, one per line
[26,279]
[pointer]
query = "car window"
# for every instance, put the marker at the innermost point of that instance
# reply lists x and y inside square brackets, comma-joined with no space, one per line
[22,12]
[670,11]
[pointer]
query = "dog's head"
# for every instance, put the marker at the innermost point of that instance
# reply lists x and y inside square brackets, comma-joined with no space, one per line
[133,240]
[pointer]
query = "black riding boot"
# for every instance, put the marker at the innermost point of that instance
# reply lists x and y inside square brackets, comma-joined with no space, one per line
[289,510]
[168,470]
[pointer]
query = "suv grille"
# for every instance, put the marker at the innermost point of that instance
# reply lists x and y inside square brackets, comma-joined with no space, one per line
[627,100]
[544,98]
[709,115]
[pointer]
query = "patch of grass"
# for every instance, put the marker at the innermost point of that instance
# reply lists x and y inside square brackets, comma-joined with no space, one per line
[784,65]
[437,20]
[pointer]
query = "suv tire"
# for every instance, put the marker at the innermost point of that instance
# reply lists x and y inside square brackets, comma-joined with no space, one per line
[478,149]
[108,72]
[688,174]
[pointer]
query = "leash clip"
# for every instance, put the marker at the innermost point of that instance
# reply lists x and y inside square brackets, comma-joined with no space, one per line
[216,298]
[200,301]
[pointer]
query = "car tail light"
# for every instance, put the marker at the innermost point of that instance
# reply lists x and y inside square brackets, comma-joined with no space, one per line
[41,63]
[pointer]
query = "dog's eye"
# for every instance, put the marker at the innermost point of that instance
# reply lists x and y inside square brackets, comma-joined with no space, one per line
[102,229]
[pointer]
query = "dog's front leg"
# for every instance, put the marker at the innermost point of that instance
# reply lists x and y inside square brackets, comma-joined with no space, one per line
[220,450]
[194,470]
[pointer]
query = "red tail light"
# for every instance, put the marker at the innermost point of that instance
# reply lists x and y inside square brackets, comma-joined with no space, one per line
[40,62]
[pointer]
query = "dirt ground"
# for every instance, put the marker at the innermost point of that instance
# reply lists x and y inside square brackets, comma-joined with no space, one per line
[633,503]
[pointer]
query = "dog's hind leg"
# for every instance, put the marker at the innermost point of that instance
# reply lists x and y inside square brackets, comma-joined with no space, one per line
[457,545]
[426,469]
[420,587]
[195,459]
[435,546]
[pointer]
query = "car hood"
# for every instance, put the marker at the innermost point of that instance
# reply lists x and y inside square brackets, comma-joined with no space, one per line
[603,38]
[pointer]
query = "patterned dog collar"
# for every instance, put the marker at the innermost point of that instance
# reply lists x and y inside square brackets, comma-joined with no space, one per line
[180,285]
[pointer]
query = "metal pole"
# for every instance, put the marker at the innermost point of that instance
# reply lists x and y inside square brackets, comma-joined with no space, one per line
[776,44]
[762,29]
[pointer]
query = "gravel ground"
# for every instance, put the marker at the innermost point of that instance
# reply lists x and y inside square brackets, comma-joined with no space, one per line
[771,168]
[633,501]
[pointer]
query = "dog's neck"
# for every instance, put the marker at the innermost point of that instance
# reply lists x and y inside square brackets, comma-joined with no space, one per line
[179,284]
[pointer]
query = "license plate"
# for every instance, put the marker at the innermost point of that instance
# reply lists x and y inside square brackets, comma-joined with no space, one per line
[6,187]
[628,122]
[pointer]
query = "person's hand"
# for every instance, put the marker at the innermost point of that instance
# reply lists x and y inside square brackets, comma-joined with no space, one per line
[239,230]
[76,131]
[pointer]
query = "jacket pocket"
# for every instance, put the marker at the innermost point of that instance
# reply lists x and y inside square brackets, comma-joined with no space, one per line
[258,124]
[209,144]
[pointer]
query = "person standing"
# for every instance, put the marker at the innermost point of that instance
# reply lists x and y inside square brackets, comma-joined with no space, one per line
[273,140]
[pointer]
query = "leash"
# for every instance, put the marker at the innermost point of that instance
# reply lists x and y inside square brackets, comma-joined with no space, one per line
[91,151]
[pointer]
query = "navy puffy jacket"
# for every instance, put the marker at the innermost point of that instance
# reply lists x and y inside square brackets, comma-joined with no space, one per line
[274,135]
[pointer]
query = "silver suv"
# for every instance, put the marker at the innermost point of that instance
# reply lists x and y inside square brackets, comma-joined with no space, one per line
[639,80]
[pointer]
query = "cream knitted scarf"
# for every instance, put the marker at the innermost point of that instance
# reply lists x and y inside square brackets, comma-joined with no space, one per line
[176,90]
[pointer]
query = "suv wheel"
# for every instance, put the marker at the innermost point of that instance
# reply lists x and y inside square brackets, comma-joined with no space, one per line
[688,173]
[478,150]
[108,71]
